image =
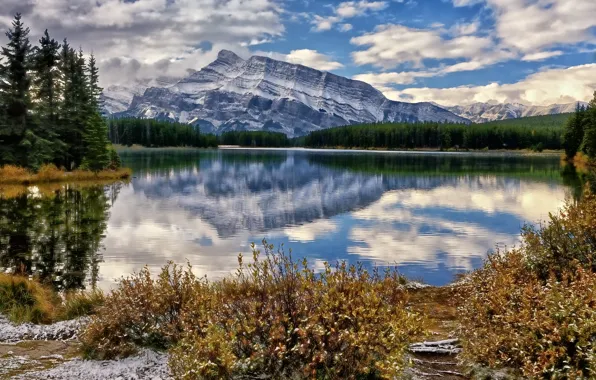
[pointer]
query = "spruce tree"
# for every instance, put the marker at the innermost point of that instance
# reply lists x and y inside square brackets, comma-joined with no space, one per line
[589,144]
[46,87]
[574,132]
[14,94]
[97,153]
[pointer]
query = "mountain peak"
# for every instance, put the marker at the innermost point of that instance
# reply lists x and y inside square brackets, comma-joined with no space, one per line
[228,56]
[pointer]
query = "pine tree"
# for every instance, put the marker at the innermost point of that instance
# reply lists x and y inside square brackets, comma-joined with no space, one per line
[97,153]
[589,144]
[574,132]
[14,94]
[46,92]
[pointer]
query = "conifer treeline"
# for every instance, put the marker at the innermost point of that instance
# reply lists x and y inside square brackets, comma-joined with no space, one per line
[580,131]
[158,133]
[254,139]
[438,136]
[49,107]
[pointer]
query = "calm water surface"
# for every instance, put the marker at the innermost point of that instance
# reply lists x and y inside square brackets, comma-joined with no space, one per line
[432,215]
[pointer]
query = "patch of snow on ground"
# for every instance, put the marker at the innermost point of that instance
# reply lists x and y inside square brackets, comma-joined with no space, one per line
[66,330]
[148,365]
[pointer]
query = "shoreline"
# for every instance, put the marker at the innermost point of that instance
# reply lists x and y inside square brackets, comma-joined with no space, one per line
[24,177]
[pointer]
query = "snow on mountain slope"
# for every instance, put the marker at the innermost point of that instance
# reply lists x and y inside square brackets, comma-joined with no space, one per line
[117,98]
[261,93]
[485,112]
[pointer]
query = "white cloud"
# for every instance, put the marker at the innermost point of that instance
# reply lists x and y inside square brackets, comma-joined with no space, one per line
[559,85]
[345,27]
[346,10]
[541,56]
[151,32]
[381,80]
[306,57]
[392,45]
[534,25]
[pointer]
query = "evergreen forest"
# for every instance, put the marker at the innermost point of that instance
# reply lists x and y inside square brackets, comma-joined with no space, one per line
[580,131]
[49,105]
[525,133]
[157,133]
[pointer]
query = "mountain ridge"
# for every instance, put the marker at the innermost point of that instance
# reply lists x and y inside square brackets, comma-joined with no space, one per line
[486,112]
[261,93]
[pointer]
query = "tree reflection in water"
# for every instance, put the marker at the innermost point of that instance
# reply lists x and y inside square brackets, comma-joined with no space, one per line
[55,234]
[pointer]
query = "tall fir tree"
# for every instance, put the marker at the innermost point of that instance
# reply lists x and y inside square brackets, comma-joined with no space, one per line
[574,132]
[589,144]
[14,92]
[46,91]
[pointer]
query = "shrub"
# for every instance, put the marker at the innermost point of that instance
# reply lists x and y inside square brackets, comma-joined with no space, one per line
[24,300]
[283,320]
[10,173]
[78,304]
[143,311]
[512,318]
[569,236]
[49,173]
[534,308]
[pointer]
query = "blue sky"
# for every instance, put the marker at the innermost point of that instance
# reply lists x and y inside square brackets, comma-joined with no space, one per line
[448,51]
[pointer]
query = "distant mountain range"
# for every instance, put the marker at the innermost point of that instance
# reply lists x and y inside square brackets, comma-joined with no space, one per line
[264,94]
[261,93]
[485,112]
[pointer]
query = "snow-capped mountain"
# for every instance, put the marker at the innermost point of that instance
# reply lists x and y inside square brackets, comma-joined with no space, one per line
[117,98]
[261,93]
[485,112]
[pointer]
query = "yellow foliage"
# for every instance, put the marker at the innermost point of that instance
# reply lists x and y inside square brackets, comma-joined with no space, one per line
[14,175]
[534,308]
[25,300]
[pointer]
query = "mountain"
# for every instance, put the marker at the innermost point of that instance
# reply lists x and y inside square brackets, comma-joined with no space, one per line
[117,98]
[265,94]
[485,112]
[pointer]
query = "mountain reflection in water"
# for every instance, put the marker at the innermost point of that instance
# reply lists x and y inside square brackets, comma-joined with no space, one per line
[432,215]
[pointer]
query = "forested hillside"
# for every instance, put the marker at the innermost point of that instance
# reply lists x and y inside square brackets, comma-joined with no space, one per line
[156,133]
[537,135]
[49,109]
[580,132]
[254,139]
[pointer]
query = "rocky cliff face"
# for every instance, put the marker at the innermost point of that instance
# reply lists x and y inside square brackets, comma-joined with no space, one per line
[264,94]
[485,112]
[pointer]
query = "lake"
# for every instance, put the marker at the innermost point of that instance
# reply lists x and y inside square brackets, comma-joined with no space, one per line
[432,215]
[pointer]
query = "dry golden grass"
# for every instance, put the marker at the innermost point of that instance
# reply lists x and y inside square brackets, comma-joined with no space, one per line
[14,175]
[27,300]
[24,300]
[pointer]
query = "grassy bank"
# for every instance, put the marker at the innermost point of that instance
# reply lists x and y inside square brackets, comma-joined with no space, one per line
[26,300]
[14,175]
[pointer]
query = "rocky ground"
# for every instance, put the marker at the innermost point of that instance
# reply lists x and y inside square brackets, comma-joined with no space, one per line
[30,351]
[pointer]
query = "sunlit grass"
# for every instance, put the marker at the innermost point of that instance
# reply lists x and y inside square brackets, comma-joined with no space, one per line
[14,175]
[27,300]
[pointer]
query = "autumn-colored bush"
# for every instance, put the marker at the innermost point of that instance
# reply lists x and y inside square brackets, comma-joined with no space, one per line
[25,300]
[569,236]
[278,318]
[534,308]
[49,173]
[10,173]
[143,311]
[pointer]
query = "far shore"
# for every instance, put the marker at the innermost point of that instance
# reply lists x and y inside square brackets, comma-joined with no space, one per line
[139,148]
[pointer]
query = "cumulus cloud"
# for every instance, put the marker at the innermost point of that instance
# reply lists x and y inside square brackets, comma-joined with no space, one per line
[391,45]
[306,57]
[346,10]
[534,25]
[557,85]
[187,33]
